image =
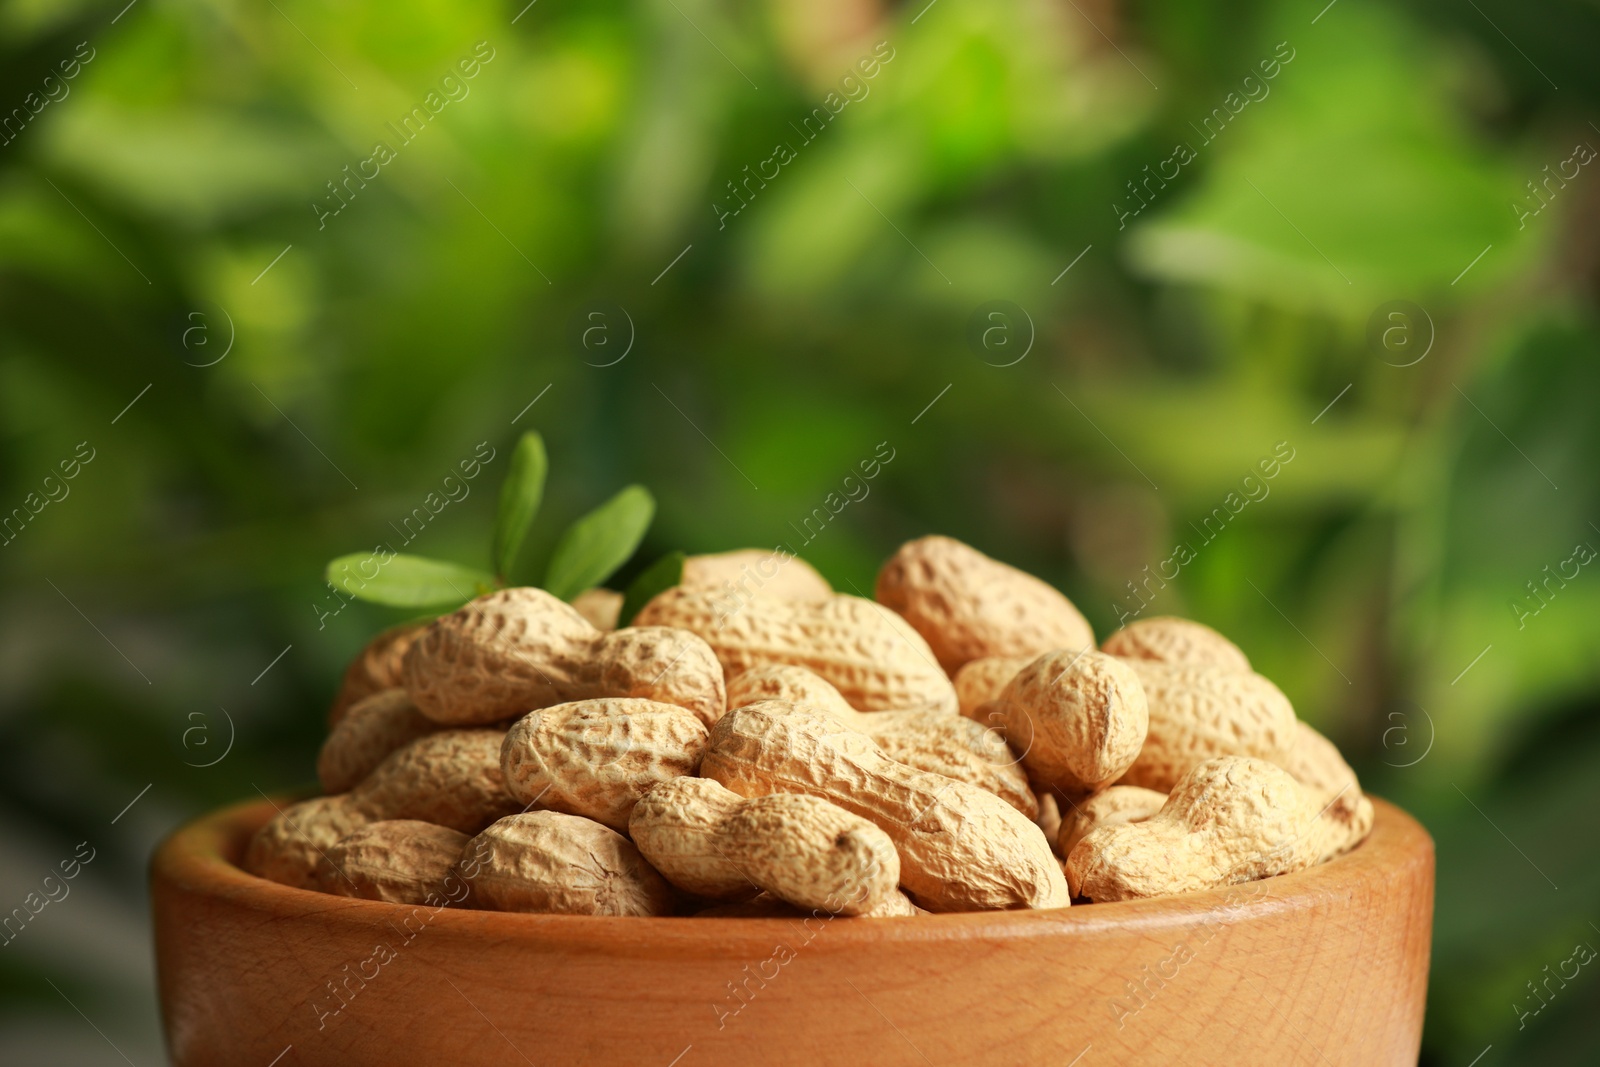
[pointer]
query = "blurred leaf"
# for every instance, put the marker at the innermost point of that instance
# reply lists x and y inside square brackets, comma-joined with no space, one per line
[594,546]
[661,575]
[520,495]
[408,581]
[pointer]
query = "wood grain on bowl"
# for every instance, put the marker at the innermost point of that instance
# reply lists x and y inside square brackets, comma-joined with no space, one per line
[1325,967]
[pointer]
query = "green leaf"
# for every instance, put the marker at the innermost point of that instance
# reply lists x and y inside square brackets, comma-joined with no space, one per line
[594,546]
[407,581]
[520,496]
[661,575]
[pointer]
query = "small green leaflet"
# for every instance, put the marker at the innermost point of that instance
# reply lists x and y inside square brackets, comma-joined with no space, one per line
[660,576]
[594,546]
[407,581]
[520,496]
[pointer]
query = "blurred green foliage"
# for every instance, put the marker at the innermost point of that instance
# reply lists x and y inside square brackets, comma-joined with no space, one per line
[300,380]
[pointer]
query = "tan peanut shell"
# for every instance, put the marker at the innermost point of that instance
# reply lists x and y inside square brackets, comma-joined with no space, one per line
[1315,763]
[1078,719]
[867,652]
[548,861]
[375,668]
[933,741]
[449,778]
[1113,807]
[958,748]
[746,573]
[969,606]
[290,847]
[785,681]
[1229,820]
[514,650]
[1166,639]
[655,663]
[596,758]
[401,861]
[599,606]
[961,848]
[370,729]
[1200,713]
[712,842]
[981,680]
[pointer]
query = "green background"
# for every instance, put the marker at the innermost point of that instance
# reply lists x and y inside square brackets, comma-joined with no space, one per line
[296,389]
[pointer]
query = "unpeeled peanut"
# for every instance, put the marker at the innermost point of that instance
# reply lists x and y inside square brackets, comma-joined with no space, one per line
[599,606]
[402,861]
[514,650]
[969,606]
[1199,713]
[1113,807]
[290,847]
[867,652]
[1315,763]
[596,758]
[958,748]
[375,668]
[961,848]
[449,778]
[548,861]
[933,741]
[1166,639]
[785,681]
[981,680]
[806,851]
[1078,718]
[370,729]
[1229,820]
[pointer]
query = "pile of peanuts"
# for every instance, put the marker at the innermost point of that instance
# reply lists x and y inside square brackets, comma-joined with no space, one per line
[755,744]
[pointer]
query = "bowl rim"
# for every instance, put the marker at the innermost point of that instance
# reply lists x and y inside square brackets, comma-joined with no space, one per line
[202,857]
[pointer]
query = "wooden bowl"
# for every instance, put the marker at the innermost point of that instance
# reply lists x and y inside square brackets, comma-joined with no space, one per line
[1325,967]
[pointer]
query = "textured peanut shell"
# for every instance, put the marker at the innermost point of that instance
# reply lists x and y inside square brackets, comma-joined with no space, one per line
[402,861]
[865,651]
[375,668]
[981,680]
[1166,639]
[746,573]
[1078,719]
[1200,713]
[812,853]
[958,748]
[712,842]
[672,666]
[1229,820]
[784,681]
[515,650]
[961,848]
[1315,763]
[497,657]
[927,740]
[370,729]
[547,861]
[969,606]
[678,826]
[289,848]
[599,606]
[1113,807]
[449,778]
[596,758]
